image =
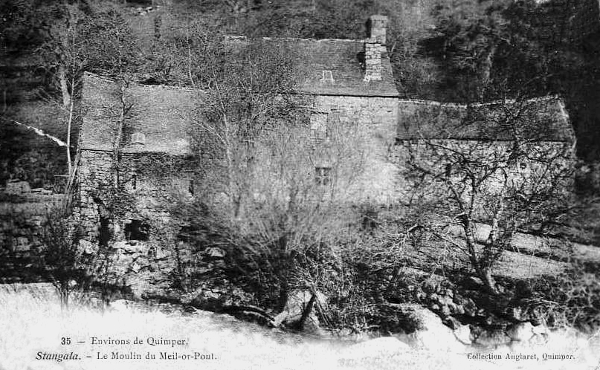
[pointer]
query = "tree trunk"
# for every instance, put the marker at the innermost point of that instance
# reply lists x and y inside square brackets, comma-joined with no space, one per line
[69,128]
[64,87]
[486,69]
[483,272]
[488,280]
[119,136]
[234,196]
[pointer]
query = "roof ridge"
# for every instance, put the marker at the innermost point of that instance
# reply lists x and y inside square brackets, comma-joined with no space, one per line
[269,38]
[170,87]
[544,98]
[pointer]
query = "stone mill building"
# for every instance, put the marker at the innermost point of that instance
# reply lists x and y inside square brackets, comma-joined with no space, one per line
[139,136]
[346,81]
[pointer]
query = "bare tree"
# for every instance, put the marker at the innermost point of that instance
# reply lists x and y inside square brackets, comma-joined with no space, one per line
[248,95]
[273,169]
[506,164]
[76,37]
[62,256]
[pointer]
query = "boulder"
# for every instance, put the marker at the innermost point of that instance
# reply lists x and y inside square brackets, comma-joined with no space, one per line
[456,309]
[217,297]
[452,323]
[431,333]
[215,252]
[521,332]
[470,307]
[540,330]
[88,247]
[17,187]
[492,339]
[298,302]
[120,305]
[463,334]
[131,246]
[22,244]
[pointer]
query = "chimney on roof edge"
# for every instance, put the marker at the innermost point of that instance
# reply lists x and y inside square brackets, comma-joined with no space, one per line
[374,47]
[377,26]
[372,60]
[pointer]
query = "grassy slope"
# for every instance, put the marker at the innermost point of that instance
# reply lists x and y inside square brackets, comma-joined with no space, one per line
[34,322]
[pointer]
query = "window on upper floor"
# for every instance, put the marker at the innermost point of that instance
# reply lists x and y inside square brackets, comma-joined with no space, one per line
[318,131]
[327,77]
[138,138]
[323,176]
[318,127]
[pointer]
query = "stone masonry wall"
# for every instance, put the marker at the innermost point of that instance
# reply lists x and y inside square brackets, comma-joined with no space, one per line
[22,218]
[130,223]
[554,159]
[147,189]
[94,170]
[372,61]
[378,118]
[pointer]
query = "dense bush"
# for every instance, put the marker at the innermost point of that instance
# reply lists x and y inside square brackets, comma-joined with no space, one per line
[62,258]
[571,299]
[359,273]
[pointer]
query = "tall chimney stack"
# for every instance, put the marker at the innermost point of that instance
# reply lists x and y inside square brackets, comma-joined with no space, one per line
[374,47]
[377,25]
[372,60]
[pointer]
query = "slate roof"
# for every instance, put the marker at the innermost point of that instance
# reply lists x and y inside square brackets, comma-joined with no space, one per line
[344,58]
[540,119]
[163,114]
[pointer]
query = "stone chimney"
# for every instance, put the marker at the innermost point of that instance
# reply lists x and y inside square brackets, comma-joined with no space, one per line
[372,60]
[377,26]
[375,46]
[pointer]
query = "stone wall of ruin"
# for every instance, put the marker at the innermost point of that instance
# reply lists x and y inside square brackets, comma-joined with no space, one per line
[23,214]
[147,188]
[104,213]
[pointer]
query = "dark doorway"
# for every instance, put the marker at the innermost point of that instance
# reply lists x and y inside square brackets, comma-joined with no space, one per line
[137,230]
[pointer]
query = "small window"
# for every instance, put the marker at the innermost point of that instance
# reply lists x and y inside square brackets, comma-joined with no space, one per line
[334,117]
[104,232]
[137,230]
[318,127]
[327,77]
[399,142]
[323,175]
[448,170]
[132,181]
[318,132]
[138,138]
[183,186]
[191,187]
